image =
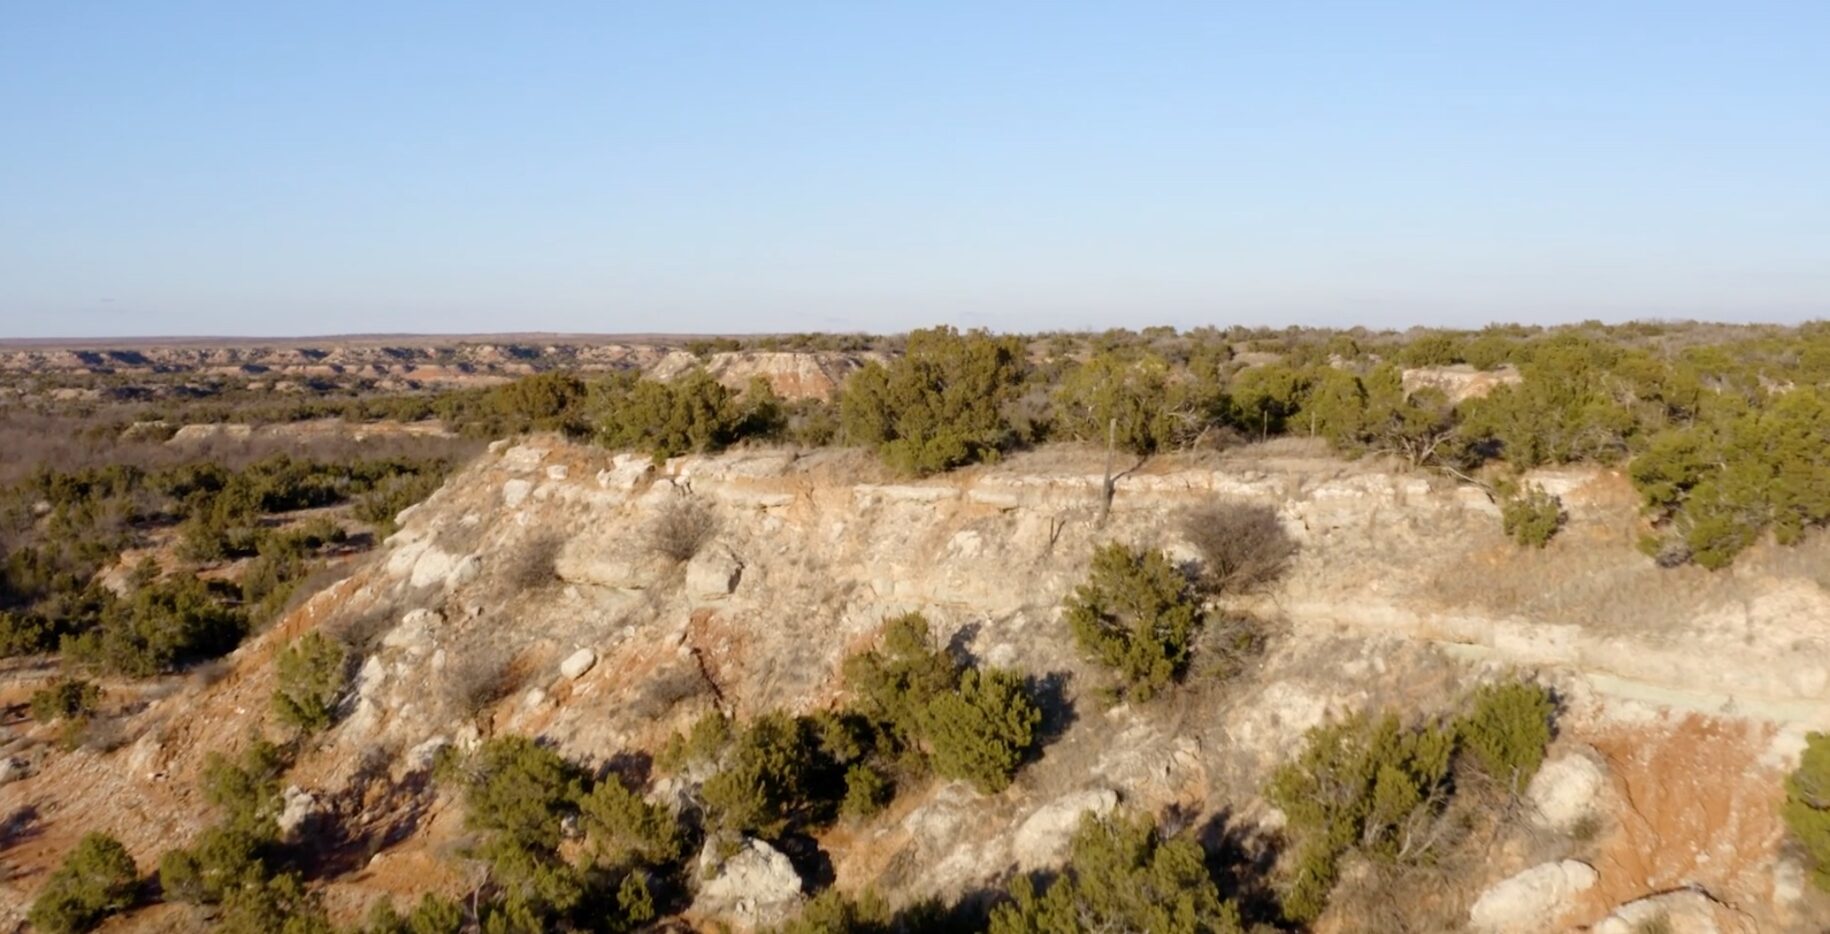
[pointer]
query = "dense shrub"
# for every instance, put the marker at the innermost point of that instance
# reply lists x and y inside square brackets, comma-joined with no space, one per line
[161,627]
[1505,730]
[867,791]
[1382,789]
[519,791]
[1243,546]
[543,402]
[313,671]
[1361,783]
[382,505]
[433,914]
[520,796]
[692,413]
[624,826]
[239,849]
[1531,517]
[1565,408]
[973,724]
[1136,614]
[831,912]
[96,880]
[775,778]
[1266,397]
[273,905]
[1121,876]
[939,405]
[1807,806]
[895,683]
[983,730]
[66,699]
[1140,405]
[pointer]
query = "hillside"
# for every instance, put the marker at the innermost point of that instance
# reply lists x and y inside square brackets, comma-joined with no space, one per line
[526,597]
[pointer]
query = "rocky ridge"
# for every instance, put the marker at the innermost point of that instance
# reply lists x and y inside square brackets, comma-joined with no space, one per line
[1682,710]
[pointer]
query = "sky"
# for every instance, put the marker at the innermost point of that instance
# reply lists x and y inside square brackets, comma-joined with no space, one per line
[292,168]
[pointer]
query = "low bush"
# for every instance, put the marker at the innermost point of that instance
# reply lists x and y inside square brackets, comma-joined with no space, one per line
[1243,546]
[895,683]
[1807,806]
[1531,517]
[776,778]
[433,914]
[163,626]
[272,904]
[66,699]
[1505,730]
[521,796]
[97,879]
[1122,875]
[241,846]
[983,730]
[1136,614]
[1382,789]
[313,672]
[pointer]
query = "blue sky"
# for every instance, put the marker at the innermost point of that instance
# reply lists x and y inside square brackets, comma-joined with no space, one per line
[294,168]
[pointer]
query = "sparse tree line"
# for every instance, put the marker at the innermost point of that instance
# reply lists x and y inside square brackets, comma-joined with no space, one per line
[1717,427]
[1720,439]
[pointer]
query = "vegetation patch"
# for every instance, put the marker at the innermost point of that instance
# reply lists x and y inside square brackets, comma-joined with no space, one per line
[1122,875]
[1137,614]
[96,880]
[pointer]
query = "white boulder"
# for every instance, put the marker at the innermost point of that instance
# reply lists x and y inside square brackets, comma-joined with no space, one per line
[515,491]
[298,809]
[1042,840]
[756,887]
[1533,900]
[712,574]
[577,663]
[1688,911]
[1566,790]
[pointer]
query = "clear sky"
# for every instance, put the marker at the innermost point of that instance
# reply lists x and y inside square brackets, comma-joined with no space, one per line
[307,168]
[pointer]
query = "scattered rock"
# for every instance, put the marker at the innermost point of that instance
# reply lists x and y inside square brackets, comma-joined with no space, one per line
[12,769]
[1042,840]
[466,571]
[414,634]
[713,573]
[1533,900]
[421,758]
[298,810]
[757,887]
[1684,912]
[577,663]
[433,566]
[515,491]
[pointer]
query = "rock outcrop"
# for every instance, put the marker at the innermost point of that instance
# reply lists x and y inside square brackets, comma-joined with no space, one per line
[524,597]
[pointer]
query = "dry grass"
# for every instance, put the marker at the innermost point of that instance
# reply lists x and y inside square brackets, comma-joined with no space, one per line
[683,527]
[1243,546]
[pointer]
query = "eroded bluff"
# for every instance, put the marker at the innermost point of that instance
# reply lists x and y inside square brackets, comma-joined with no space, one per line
[528,596]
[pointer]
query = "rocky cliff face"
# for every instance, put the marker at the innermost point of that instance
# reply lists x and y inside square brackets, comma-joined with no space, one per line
[1685,693]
